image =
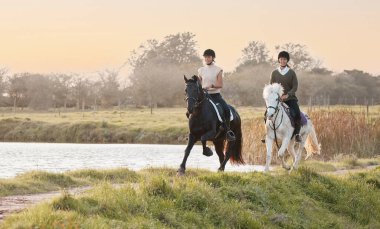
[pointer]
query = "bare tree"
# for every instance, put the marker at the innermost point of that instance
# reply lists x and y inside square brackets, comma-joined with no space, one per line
[256,52]
[158,68]
[17,90]
[109,88]
[3,72]
[62,84]
[81,92]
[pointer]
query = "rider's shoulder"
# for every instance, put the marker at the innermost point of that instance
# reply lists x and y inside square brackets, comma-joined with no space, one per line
[275,71]
[292,71]
[200,69]
[217,67]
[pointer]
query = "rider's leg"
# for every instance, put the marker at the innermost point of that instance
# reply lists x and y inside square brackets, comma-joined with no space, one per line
[293,104]
[217,98]
[227,121]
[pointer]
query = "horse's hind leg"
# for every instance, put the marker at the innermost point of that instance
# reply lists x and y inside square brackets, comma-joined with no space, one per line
[229,147]
[219,146]
[190,143]
[299,154]
[293,153]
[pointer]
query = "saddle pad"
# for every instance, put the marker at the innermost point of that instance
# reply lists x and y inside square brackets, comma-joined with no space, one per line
[304,116]
[218,113]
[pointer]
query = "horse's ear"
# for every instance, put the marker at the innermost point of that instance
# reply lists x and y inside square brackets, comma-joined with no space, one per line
[185,78]
[195,77]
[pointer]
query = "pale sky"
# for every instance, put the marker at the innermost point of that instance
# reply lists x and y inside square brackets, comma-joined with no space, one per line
[91,35]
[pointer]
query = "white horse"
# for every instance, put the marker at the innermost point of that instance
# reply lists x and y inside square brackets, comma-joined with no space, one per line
[278,127]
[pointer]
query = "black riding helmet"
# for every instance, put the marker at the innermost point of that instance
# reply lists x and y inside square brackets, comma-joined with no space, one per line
[284,54]
[209,52]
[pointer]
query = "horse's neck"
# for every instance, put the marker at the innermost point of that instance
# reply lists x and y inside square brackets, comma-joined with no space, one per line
[198,110]
[281,117]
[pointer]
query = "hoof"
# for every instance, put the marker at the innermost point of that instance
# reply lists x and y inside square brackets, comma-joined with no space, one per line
[290,170]
[207,152]
[287,167]
[220,170]
[180,172]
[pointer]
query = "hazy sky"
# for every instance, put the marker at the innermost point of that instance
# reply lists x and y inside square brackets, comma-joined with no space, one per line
[91,35]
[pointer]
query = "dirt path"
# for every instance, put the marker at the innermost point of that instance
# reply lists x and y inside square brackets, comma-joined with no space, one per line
[342,172]
[14,204]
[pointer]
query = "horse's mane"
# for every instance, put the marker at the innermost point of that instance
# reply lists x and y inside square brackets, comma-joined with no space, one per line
[272,88]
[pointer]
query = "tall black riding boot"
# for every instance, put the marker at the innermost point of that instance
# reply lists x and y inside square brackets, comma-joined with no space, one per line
[229,134]
[297,128]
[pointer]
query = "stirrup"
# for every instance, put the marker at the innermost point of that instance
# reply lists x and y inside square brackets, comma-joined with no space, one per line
[230,136]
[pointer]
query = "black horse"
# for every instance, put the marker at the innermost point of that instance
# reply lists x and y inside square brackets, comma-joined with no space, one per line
[204,126]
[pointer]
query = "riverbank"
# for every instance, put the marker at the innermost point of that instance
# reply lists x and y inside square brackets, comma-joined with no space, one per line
[340,130]
[157,198]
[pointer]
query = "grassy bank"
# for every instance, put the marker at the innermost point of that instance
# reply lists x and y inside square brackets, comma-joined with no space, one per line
[40,181]
[157,198]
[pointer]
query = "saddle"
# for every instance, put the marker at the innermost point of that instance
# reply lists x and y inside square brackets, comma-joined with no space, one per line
[220,111]
[290,113]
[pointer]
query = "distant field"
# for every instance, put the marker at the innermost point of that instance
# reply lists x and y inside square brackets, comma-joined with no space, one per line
[340,129]
[141,118]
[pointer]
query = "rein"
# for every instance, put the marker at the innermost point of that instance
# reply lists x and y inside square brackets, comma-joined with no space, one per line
[273,127]
[197,103]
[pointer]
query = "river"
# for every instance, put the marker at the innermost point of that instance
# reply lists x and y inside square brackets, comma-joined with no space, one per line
[18,158]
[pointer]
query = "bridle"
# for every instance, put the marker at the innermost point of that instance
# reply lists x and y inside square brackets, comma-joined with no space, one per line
[196,100]
[276,111]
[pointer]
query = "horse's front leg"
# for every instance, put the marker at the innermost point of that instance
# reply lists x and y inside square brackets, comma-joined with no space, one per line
[281,152]
[268,144]
[190,143]
[209,135]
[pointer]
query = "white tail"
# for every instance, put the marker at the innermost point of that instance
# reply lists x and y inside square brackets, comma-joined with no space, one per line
[312,146]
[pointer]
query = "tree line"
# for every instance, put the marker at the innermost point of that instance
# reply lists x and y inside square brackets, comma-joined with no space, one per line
[156,79]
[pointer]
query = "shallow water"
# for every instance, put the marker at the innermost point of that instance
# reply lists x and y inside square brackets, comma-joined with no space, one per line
[17,158]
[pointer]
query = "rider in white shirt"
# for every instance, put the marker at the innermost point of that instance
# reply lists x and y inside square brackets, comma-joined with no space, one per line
[211,77]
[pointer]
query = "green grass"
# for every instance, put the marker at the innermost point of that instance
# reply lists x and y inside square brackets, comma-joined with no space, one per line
[156,198]
[39,181]
[344,163]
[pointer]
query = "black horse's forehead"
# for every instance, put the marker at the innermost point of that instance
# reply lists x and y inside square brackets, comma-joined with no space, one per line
[191,84]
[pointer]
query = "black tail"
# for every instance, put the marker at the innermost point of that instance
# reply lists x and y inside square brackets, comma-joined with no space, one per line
[236,146]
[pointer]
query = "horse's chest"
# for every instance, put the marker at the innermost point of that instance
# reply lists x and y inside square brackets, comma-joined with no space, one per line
[197,126]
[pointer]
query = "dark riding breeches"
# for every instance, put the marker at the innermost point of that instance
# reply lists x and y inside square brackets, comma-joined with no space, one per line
[295,110]
[217,98]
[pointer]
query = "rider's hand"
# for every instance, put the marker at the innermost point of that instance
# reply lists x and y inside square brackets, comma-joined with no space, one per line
[284,97]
